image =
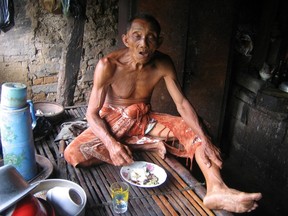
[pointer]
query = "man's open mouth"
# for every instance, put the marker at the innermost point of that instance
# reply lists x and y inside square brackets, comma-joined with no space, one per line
[144,53]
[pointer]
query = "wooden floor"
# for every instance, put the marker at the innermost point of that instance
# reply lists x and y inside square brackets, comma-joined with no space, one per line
[181,194]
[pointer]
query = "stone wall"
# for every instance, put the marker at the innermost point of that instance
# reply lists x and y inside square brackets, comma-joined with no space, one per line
[100,38]
[33,51]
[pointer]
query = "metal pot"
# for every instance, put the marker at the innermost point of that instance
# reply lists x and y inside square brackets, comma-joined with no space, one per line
[284,86]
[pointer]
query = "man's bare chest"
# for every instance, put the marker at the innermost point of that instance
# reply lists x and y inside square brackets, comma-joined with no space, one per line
[133,85]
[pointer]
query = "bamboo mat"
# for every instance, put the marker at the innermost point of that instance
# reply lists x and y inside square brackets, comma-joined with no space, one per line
[180,194]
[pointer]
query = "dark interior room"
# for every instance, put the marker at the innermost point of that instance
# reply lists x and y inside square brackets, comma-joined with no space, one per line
[231,59]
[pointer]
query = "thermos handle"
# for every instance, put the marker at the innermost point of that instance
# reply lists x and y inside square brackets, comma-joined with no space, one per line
[32,111]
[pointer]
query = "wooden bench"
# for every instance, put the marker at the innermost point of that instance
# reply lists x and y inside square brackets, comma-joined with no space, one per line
[180,194]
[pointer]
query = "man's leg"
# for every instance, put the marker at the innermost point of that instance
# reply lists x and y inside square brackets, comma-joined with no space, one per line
[219,196]
[179,139]
[74,156]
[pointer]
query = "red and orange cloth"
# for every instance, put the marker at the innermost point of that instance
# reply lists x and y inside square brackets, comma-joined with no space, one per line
[129,126]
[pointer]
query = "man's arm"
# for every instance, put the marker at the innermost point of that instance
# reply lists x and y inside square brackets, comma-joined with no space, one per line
[188,113]
[119,153]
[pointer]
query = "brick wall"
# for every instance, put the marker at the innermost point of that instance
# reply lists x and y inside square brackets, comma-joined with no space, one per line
[33,51]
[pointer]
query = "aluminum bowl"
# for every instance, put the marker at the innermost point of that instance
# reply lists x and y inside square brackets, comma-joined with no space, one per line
[284,86]
[53,112]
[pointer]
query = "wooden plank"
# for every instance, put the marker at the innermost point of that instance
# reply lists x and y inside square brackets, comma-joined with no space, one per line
[94,192]
[134,206]
[72,113]
[105,186]
[76,113]
[83,111]
[177,204]
[148,203]
[187,177]
[177,180]
[196,201]
[184,201]
[99,188]
[48,153]
[177,192]
[68,114]
[61,162]
[162,206]
[173,202]
[91,194]
[167,199]
[109,179]
[171,198]
[39,149]
[71,174]
[198,205]
[162,201]
[143,195]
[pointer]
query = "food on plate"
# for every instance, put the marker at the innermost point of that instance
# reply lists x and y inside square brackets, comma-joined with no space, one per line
[143,175]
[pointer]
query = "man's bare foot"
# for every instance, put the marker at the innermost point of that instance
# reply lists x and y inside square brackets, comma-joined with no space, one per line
[232,200]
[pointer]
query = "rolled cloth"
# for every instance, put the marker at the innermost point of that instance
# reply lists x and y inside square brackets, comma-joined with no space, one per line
[128,125]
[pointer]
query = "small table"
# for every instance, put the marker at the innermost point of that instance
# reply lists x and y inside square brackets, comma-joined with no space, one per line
[180,194]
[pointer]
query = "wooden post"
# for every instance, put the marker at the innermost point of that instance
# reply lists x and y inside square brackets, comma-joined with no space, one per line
[67,80]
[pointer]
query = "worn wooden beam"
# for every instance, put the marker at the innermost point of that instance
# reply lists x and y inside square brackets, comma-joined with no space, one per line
[67,80]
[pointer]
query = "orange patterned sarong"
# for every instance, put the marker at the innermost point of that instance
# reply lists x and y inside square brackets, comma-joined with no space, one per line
[128,126]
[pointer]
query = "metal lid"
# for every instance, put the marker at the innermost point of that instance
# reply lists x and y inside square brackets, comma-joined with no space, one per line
[13,186]
[284,86]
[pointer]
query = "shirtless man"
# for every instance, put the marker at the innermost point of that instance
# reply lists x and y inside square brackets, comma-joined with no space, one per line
[128,76]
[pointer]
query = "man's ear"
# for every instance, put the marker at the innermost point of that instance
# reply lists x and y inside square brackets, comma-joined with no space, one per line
[160,40]
[125,40]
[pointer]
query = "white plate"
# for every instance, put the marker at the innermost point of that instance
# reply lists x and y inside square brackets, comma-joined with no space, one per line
[142,168]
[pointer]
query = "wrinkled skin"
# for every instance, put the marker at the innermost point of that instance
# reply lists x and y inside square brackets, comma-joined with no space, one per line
[128,76]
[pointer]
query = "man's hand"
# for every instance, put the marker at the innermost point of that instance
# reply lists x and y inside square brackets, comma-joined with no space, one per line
[120,154]
[210,153]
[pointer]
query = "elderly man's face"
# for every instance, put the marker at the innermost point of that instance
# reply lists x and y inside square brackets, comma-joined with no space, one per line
[142,40]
